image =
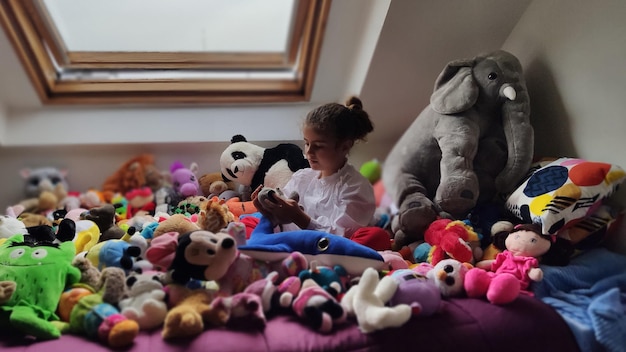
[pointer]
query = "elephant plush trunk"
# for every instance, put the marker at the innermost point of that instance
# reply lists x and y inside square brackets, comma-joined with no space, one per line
[519,137]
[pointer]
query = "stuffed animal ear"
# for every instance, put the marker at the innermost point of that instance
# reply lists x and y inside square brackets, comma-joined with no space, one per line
[455,88]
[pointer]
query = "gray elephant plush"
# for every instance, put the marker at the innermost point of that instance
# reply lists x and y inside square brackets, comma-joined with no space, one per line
[472,143]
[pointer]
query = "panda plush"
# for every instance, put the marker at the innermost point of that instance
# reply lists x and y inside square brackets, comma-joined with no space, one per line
[251,165]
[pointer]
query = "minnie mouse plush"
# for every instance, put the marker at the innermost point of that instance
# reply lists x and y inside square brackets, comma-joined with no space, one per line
[501,280]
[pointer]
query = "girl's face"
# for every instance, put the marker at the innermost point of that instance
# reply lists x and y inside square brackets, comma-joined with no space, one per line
[324,153]
[527,243]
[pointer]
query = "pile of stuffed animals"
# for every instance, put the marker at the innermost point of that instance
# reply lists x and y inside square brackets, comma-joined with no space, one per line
[181,251]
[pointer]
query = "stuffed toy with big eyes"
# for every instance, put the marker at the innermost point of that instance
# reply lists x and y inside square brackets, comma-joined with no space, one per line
[33,275]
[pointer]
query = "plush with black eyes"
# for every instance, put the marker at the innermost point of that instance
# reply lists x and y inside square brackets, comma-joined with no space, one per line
[251,165]
[43,179]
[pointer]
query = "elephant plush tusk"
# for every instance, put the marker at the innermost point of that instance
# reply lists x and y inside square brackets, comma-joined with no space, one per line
[508,92]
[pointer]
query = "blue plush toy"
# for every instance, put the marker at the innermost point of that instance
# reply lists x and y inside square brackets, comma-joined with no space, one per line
[324,248]
[333,280]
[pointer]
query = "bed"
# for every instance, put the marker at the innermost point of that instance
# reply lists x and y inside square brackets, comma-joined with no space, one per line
[578,307]
[463,324]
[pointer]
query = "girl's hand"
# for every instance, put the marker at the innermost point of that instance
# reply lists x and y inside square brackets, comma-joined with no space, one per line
[260,207]
[281,210]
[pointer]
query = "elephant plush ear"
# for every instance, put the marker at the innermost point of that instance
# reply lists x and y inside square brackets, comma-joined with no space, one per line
[455,88]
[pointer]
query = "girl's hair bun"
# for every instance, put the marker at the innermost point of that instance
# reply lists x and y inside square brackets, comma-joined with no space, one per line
[354,103]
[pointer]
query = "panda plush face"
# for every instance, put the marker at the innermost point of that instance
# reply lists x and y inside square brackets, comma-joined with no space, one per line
[240,161]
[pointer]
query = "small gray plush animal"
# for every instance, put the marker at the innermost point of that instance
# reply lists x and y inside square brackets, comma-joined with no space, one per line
[43,179]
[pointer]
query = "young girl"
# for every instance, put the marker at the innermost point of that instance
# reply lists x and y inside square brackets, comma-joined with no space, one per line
[333,196]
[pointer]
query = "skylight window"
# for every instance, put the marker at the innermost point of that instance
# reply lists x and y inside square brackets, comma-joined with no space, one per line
[141,51]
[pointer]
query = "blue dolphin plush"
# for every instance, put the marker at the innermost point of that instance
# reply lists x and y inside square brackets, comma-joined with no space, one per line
[325,248]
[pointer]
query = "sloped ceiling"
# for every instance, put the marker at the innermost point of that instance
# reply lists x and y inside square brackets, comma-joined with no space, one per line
[417,39]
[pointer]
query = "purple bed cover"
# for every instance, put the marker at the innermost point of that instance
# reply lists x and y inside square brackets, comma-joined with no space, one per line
[462,325]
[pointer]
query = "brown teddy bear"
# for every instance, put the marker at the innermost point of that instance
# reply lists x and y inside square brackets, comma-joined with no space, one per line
[213,184]
[214,215]
[135,173]
[192,313]
[175,223]
[104,217]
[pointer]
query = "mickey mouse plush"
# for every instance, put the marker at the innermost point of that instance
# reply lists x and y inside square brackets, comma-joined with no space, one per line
[252,165]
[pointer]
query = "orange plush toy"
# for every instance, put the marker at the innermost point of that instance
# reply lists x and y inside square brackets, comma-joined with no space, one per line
[134,173]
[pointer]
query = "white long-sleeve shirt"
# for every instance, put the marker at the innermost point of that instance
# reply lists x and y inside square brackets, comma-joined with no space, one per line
[339,204]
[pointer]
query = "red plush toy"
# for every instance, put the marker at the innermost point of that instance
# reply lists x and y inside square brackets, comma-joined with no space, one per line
[450,239]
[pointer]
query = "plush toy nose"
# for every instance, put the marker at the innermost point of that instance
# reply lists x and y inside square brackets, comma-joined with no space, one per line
[228,243]
[188,190]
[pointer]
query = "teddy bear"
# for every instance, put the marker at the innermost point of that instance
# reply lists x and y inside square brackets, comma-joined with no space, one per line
[214,184]
[175,223]
[145,302]
[251,165]
[109,282]
[472,144]
[191,313]
[136,172]
[104,217]
[214,215]
[368,299]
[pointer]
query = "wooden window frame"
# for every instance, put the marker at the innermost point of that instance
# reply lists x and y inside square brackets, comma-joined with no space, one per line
[41,51]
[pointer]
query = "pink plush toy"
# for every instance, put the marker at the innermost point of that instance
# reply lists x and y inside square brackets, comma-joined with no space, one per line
[318,308]
[275,295]
[242,311]
[513,270]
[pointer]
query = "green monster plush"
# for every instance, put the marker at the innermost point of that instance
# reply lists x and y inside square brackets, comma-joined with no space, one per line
[33,276]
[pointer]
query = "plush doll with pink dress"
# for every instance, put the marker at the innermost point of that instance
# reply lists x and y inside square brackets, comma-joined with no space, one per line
[502,279]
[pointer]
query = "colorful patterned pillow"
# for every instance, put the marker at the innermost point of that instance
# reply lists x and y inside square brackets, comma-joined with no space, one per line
[564,192]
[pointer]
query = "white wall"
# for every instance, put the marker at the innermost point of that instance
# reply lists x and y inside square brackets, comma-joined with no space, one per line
[3,120]
[574,55]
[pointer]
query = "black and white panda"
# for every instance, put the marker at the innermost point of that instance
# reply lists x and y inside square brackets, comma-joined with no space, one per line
[251,165]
